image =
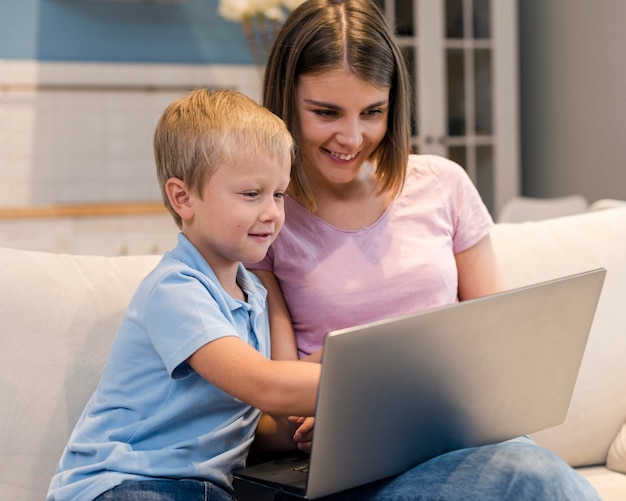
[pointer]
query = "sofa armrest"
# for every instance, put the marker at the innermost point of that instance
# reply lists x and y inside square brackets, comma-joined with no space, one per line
[59,315]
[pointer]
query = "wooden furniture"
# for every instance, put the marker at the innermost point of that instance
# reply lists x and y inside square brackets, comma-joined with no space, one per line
[463,60]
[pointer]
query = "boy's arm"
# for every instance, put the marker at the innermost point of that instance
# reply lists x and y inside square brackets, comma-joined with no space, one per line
[277,387]
[281,329]
[277,433]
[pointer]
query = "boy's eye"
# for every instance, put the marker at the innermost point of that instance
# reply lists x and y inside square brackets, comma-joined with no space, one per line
[250,194]
[279,194]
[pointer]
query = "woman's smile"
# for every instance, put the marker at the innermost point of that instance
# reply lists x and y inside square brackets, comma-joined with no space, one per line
[342,156]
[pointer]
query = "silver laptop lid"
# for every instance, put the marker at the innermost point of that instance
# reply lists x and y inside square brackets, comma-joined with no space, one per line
[398,392]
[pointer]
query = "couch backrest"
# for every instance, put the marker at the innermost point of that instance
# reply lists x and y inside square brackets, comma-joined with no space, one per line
[536,251]
[58,315]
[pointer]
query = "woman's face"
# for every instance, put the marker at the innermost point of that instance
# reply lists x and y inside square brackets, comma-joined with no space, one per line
[341,121]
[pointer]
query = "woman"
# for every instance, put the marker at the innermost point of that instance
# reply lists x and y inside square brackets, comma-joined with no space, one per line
[372,231]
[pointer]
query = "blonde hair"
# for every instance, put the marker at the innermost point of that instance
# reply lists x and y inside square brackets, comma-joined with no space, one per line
[206,129]
[325,35]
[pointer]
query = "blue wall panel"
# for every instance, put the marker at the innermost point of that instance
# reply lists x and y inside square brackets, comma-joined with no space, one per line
[191,32]
[18,37]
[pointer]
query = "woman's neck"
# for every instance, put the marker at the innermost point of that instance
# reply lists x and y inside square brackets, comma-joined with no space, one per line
[352,207]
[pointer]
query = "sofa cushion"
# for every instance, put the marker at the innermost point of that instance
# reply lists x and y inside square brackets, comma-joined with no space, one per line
[536,251]
[616,459]
[59,314]
[610,485]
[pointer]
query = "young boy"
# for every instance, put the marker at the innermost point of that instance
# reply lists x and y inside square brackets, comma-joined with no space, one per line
[188,373]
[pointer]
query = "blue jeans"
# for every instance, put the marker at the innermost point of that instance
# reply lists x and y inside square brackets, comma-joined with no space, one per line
[514,470]
[165,490]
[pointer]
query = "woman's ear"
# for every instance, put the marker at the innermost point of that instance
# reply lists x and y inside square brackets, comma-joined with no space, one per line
[179,197]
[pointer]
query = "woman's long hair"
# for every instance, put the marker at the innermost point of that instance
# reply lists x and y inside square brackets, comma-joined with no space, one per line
[324,35]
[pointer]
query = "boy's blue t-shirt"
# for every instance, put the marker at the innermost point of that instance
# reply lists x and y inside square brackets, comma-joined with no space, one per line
[152,415]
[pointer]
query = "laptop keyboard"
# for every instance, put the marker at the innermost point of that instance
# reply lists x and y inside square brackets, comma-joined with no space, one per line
[303,468]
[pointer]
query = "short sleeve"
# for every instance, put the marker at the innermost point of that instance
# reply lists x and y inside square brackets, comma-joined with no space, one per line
[182,313]
[472,219]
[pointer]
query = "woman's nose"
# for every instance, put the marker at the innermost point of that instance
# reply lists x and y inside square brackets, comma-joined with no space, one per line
[350,133]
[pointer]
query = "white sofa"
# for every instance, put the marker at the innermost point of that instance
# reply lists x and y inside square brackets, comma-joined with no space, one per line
[59,312]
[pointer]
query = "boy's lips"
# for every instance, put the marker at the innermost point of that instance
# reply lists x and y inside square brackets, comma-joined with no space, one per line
[265,235]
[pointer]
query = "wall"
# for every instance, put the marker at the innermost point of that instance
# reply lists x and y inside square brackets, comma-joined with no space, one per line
[83,82]
[76,133]
[57,146]
[190,31]
[573,106]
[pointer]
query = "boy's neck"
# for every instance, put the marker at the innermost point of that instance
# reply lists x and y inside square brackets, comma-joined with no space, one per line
[237,292]
[225,270]
[228,281]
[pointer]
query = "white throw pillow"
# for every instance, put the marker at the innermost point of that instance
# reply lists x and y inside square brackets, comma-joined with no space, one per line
[616,458]
[537,251]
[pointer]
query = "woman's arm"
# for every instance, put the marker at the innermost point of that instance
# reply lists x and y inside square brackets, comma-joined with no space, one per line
[281,330]
[479,273]
[274,434]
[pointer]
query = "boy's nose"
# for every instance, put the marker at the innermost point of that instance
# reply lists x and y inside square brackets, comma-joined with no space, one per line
[271,211]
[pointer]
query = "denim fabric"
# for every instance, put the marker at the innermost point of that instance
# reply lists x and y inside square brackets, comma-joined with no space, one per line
[165,490]
[514,470]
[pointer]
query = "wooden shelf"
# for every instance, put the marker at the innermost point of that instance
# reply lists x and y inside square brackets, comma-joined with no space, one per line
[82,210]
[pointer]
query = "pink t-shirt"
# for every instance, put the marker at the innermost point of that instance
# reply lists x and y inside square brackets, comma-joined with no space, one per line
[402,263]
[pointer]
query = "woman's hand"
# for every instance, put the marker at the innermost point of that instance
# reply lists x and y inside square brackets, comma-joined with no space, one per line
[304,433]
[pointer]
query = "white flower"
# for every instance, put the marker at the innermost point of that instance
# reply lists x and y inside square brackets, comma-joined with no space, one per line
[260,20]
[292,4]
[234,10]
[237,10]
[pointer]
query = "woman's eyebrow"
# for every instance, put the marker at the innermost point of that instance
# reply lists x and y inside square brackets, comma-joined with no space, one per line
[384,102]
[322,104]
[331,106]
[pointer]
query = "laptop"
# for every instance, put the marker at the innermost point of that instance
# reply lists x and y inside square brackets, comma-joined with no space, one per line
[398,392]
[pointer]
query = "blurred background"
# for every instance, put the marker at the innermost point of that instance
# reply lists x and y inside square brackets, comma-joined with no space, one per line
[527,95]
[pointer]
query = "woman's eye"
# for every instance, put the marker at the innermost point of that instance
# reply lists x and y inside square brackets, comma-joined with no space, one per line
[325,113]
[373,113]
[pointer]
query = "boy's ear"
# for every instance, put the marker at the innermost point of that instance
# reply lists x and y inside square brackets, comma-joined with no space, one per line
[179,197]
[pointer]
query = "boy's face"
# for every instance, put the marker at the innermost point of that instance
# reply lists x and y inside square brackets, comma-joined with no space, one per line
[241,210]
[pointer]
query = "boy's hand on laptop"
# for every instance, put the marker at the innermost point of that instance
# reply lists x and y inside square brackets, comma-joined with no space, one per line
[304,433]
